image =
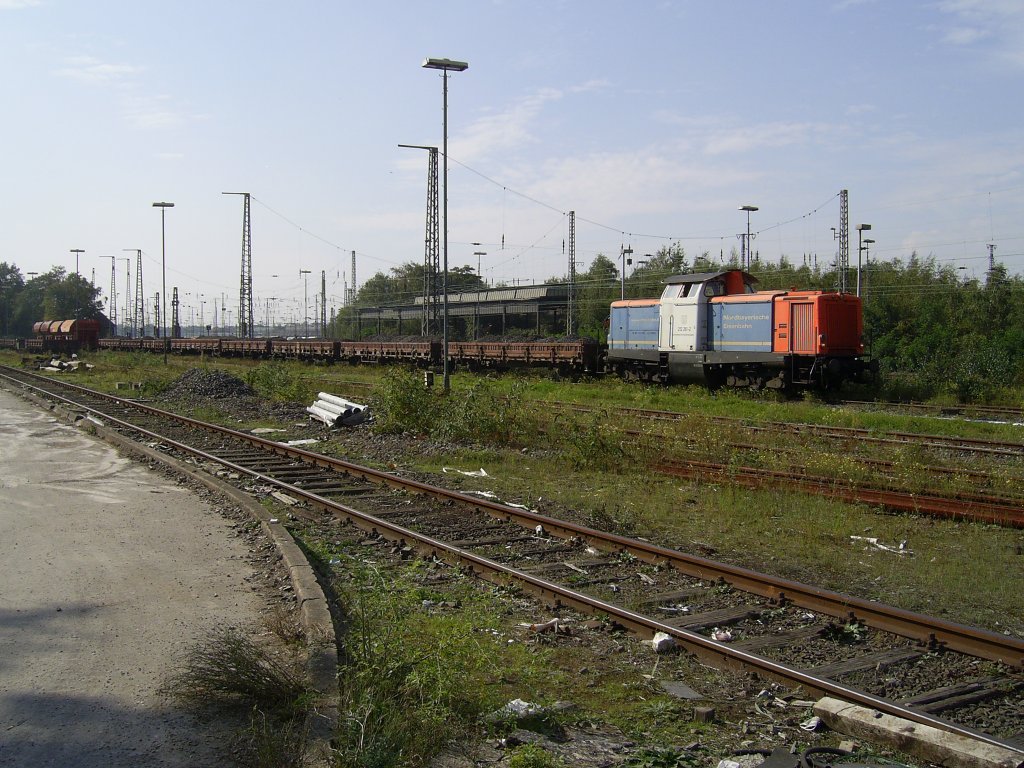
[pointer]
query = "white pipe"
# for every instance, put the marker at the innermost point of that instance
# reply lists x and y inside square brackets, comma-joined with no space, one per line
[340,401]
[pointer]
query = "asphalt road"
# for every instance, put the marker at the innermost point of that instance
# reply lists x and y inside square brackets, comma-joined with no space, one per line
[108,572]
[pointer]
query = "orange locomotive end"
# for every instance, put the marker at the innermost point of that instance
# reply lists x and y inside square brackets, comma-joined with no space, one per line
[816,323]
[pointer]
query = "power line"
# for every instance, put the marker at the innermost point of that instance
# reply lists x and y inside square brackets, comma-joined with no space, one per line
[623,232]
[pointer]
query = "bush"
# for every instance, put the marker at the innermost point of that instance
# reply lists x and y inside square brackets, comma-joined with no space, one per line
[400,403]
[480,413]
[277,380]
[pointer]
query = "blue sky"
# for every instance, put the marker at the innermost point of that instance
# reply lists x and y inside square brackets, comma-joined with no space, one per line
[654,121]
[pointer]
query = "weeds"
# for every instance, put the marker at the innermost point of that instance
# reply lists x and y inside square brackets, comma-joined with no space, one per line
[276,380]
[400,403]
[533,756]
[849,633]
[228,671]
[481,413]
[404,680]
[652,757]
[594,444]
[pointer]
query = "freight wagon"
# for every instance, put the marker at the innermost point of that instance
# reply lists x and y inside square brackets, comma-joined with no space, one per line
[65,335]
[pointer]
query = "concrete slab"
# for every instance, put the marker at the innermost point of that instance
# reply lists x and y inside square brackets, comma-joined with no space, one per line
[108,571]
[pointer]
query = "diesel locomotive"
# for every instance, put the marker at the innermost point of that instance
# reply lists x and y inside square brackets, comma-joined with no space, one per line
[715,328]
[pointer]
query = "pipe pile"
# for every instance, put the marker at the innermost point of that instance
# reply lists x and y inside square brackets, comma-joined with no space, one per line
[336,411]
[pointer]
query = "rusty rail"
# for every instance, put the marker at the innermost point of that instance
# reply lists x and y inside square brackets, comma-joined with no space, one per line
[962,508]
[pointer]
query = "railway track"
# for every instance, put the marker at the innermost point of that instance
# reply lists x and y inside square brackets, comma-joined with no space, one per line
[975,508]
[987,412]
[999,501]
[1004,448]
[638,585]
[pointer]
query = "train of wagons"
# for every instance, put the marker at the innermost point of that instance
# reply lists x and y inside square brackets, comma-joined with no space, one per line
[709,327]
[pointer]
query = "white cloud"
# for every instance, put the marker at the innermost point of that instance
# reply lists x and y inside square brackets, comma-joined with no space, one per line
[506,130]
[965,35]
[590,86]
[143,112]
[767,135]
[147,112]
[88,69]
[1000,23]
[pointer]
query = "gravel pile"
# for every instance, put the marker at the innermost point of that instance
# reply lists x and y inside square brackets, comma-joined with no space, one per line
[211,384]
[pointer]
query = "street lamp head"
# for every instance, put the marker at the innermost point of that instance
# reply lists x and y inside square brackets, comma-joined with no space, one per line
[748,208]
[868,241]
[163,205]
[863,227]
[446,64]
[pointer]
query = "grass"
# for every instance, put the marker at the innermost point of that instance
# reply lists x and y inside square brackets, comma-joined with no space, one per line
[429,656]
[227,671]
[968,572]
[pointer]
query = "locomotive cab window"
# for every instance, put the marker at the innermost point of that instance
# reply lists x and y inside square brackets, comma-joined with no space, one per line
[714,288]
[678,291]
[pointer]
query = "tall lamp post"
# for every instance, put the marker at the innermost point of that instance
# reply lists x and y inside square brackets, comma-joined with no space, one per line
[163,265]
[446,66]
[304,273]
[867,265]
[78,252]
[746,243]
[861,229]
[478,254]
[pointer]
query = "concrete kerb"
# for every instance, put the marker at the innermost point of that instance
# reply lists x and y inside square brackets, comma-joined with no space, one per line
[314,615]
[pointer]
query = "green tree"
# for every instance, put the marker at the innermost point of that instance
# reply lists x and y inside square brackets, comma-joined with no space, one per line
[597,288]
[56,295]
[11,285]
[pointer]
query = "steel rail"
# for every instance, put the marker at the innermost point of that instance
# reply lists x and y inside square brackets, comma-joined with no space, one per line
[972,444]
[704,647]
[878,464]
[993,410]
[957,508]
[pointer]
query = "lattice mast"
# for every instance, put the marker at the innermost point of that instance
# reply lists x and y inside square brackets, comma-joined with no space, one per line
[175,321]
[156,315]
[352,289]
[245,314]
[570,315]
[112,305]
[129,320]
[139,305]
[844,238]
[430,323]
[432,250]
[323,303]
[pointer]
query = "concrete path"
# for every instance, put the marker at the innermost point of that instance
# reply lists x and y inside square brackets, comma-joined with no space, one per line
[108,571]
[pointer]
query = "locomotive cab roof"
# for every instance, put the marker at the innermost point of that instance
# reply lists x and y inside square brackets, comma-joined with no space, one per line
[702,277]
